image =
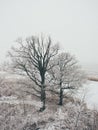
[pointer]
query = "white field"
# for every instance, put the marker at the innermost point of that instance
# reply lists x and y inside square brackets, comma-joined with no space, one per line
[90,90]
[92,94]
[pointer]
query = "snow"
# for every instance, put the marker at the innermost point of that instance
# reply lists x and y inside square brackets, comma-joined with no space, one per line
[54,117]
[37,104]
[91,97]
[8,98]
[92,94]
[14,100]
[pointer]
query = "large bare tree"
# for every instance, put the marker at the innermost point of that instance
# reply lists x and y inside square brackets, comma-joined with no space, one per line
[66,75]
[32,57]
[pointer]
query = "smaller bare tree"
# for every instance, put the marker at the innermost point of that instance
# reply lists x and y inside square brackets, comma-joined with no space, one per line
[66,75]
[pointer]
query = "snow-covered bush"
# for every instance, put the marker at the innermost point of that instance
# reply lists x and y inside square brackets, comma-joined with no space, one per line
[71,116]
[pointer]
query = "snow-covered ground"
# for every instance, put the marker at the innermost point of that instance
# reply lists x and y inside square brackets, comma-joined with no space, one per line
[14,100]
[92,94]
[90,90]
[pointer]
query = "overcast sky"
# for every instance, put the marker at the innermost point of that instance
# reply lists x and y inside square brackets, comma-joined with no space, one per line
[74,23]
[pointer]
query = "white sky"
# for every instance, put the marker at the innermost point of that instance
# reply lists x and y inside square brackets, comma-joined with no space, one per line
[74,23]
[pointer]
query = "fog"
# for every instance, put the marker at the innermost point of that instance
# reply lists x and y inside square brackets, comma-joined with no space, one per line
[74,24]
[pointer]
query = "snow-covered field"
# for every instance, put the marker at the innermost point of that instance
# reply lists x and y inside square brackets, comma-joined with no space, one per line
[17,113]
[92,94]
[90,91]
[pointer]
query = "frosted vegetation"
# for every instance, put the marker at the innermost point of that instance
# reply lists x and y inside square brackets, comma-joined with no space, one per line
[40,89]
[20,111]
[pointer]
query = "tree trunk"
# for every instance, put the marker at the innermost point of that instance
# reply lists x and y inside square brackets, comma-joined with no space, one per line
[61,97]
[43,98]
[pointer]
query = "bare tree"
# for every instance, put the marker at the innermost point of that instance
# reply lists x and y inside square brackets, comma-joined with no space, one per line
[32,57]
[66,74]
